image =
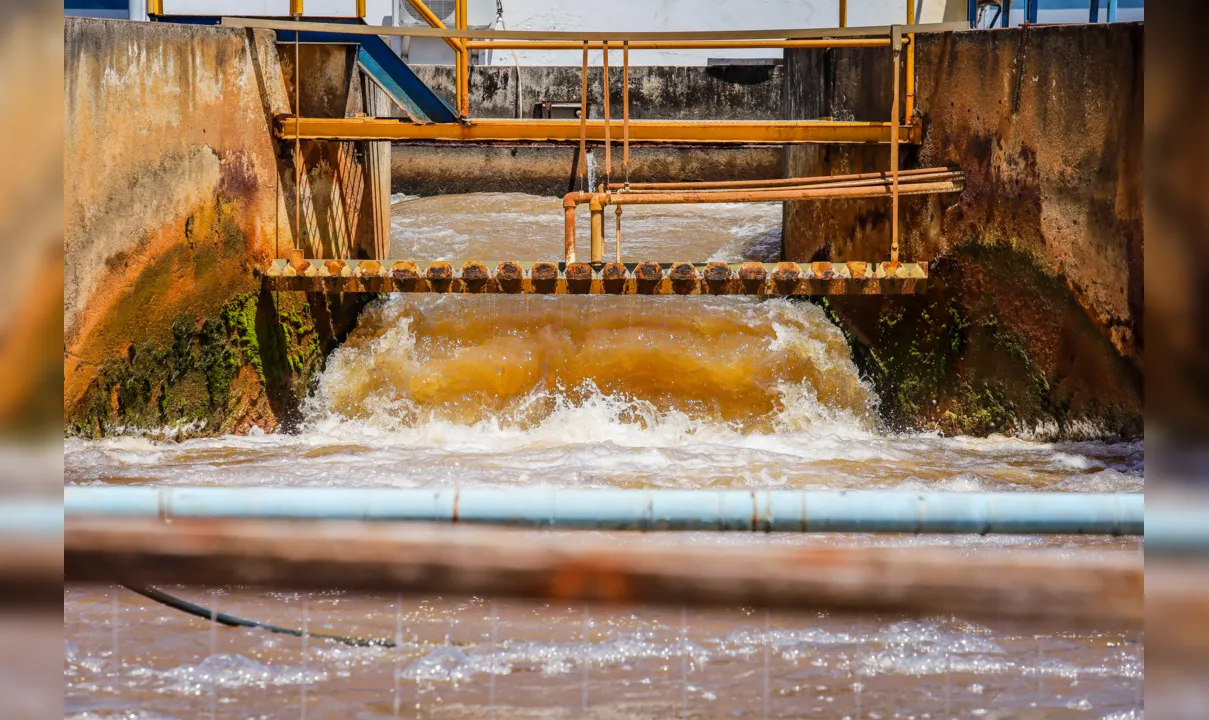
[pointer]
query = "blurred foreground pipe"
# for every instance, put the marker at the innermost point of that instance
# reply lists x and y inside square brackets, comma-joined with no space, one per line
[764,510]
[431,560]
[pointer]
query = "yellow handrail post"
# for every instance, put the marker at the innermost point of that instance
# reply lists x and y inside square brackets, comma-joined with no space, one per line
[459,21]
[625,129]
[295,8]
[607,132]
[360,8]
[896,45]
[458,46]
[583,123]
[155,7]
[844,13]
[910,109]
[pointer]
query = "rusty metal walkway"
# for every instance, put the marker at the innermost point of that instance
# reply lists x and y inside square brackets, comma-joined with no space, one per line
[548,278]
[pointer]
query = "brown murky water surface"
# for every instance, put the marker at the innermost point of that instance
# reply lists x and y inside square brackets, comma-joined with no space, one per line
[594,392]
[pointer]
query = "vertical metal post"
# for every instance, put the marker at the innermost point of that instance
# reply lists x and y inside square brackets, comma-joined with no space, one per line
[608,169]
[972,13]
[910,64]
[360,8]
[459,17]
[844,12]
[296,5]
[1093,11]
[1007,14]
[1112,11]
[896,43]
[1031,11]
[625,127]
[583,123]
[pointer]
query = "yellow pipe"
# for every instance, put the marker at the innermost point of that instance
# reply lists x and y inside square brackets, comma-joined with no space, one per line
[596,206]
[910,62]
[777,132]
[569,201]
[608,139]
[295,7]
[780,182]
[360,8]
[844,13]
[625,132]
[155,7]
[583,119]
[459,19]
[894,158]
[679,44]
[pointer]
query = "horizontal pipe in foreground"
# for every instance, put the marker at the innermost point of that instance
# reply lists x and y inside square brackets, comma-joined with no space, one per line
[761,510]
[433,560]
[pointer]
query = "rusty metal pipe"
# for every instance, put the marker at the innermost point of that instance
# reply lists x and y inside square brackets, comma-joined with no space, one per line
[583,123]
[459,15]
[778,182]
[625,125]
[897,49]
[740,196]
[681,44]
[870,182]
[569,202]
[607,122]
[596,206]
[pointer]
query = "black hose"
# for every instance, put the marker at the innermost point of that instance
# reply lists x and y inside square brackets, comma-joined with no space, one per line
[231,621]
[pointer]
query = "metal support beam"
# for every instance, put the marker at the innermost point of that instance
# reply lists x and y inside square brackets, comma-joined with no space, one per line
[744,510]
[1112,11]
[597,36]
[568,131]
[1030,11]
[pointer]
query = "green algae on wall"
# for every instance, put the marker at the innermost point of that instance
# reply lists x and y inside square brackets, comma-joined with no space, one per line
[251,364]
[995,345]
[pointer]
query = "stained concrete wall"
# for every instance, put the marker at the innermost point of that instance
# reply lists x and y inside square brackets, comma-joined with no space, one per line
[175,192]
[732,92]
[1037,264]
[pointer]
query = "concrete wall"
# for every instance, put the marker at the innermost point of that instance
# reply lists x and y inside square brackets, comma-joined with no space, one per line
[1038,262]
[717,92]
[174,193]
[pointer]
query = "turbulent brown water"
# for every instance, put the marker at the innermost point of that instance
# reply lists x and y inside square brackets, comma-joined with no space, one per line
[594,392]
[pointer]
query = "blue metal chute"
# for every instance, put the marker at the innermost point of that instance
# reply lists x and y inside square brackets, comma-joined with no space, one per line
[389,71]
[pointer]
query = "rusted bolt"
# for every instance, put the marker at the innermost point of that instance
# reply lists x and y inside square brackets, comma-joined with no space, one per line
[648,272]
[405,270]
[474,271]
[545,277]
[752,272]
[509,271]
[717,272]
[614,271]
[786,272]
[614,275]
[337,268]
[370,268]
[544,271]
[682,272]
[578,271]
[438,271]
